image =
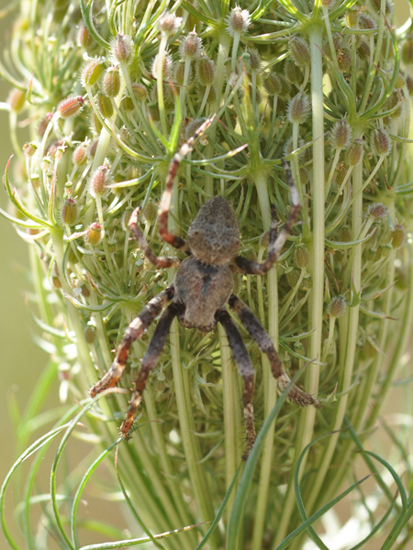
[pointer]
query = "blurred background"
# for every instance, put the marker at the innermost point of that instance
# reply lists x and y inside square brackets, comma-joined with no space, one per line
[21,360]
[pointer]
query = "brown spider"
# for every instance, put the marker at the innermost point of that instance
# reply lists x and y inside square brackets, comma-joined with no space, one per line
[202,287]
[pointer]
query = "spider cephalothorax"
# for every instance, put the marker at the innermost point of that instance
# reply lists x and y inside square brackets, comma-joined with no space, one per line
[200,291]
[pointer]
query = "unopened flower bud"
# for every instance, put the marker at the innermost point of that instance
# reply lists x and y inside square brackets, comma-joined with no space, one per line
[99,181]
[407,50]
[69,212]
[366,22]
[293,277]
[377,210]
[150,212]
[238,21]
[351,19]
[80,155]
[16,99]
[355,153]
[140,92]
[90,334]
[122,49]
[91,72]
[190,46]
[292,72]
[179,73]
[70,106]
[340,135]
[301,257]
[400,82]
[105,105]
[111,82]
[397,236]
[166,69]
[298,108]
[254,59]
[43,124]
[337,307]
[169,24]
[380,142]
[205,70]
[94,234]
[272,84]
[29,149]
[300,51]
[84,38]
[328,3]
[344,59]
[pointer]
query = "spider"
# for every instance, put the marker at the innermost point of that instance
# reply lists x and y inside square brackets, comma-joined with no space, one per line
[200,292]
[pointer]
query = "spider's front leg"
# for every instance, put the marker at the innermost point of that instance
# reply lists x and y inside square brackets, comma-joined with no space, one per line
[149,361]
[276,242]
[246,370]
[132,333]
[264,342]
[165,203]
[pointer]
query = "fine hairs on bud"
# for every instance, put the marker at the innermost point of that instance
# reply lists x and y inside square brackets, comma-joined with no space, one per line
[190,47]
[99,181]
[169,24]
[340,135]
[111,82]
[70,106]
[121,48]
[355,153]
[298,108]
[337,307]
[91,72]
[378,210]
[300,51]
[238,21]
[380,142]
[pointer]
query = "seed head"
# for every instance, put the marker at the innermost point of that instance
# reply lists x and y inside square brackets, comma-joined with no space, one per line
[292,72]
[355,153]
[337,307]
[69,212]
[179,73]
[84,38]
[70,106]
[254,59]
[300,51]
[340,135]
[121,49]
[140,92]
[94,234]
[344,59]
[298,108]
[380,142]
[91,72]
[190,46]
[150,212]
[238,21]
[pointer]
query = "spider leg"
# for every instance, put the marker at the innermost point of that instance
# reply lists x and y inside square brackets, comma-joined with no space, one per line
[276,242]
[132,333]
[165,202]
[264,342]
[149,361]
[144,246]
[246,370]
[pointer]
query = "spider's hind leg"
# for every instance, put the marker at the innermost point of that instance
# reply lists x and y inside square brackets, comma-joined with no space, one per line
[246,370]
[132,333]
[264,342]
[149,361]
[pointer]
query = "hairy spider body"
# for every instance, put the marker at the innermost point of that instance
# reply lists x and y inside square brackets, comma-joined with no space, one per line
[200,292]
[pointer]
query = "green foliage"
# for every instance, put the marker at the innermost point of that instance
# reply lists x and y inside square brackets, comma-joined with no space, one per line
[317,83]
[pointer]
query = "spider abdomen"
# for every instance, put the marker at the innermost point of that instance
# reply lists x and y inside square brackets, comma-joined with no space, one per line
[202,289]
